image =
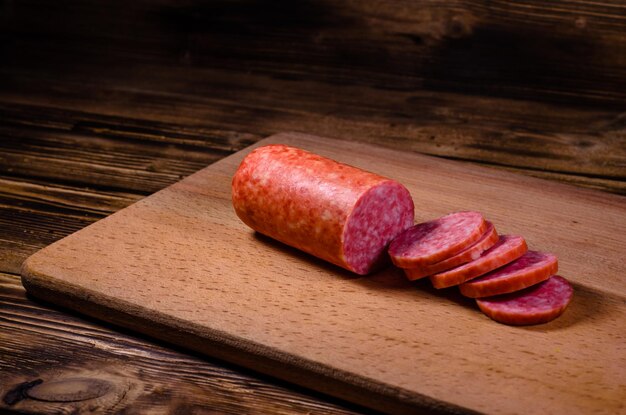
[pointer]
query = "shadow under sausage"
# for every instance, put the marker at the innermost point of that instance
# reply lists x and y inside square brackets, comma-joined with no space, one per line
[388,278]
[302,256]
[587,305]
[450,294]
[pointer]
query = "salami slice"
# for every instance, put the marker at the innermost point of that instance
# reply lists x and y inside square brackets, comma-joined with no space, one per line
[507,249]
[538,304]
[433,241]
[529,269]
[489,238]
[336,212]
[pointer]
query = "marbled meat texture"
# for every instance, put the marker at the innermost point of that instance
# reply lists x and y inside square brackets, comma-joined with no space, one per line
[433,241]
[537,304]
[507,249]
[489,239]
[531,268]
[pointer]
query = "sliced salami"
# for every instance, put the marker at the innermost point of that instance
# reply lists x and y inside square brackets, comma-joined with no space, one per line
[538,304]
[507,249]
[530,269]
[433,241]
[489,238]
[336,212]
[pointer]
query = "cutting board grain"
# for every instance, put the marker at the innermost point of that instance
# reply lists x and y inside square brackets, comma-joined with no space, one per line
[180,266]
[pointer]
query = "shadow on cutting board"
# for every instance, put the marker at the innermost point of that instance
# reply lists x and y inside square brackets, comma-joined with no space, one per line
[588,305]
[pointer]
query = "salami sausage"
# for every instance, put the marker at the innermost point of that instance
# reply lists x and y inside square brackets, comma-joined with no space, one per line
[529,269]
[507,249]
[489,238]
[534,305]
[336,212]
[433,241]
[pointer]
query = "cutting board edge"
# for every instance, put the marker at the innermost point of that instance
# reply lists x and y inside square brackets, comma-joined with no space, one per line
[262,359]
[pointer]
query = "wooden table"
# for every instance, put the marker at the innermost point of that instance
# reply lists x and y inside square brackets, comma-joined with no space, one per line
[103,103]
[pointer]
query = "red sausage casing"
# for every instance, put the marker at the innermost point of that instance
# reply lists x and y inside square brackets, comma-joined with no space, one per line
[334,211]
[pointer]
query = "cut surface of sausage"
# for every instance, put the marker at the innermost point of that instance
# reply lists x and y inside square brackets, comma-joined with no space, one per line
[537,304]
[507,249]
[486,241]
[530,269]
[337,212]
[433,241]
[379,215]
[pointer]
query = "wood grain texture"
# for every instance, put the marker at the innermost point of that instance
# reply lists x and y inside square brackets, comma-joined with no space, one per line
[579,145]
[562,51]
[35,213]
[184,261]
[51,345]
[535,86]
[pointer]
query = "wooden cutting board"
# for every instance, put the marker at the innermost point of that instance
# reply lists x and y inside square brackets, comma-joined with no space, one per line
[180,266]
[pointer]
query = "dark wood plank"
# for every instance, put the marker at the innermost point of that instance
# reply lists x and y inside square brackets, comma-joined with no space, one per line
[33,215]
[570,51]
[39,342]
[32,195]
[531,136]
[108,152]
[348,69]
[597,183]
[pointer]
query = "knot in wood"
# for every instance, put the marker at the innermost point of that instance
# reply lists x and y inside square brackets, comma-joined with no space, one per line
[70,390]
